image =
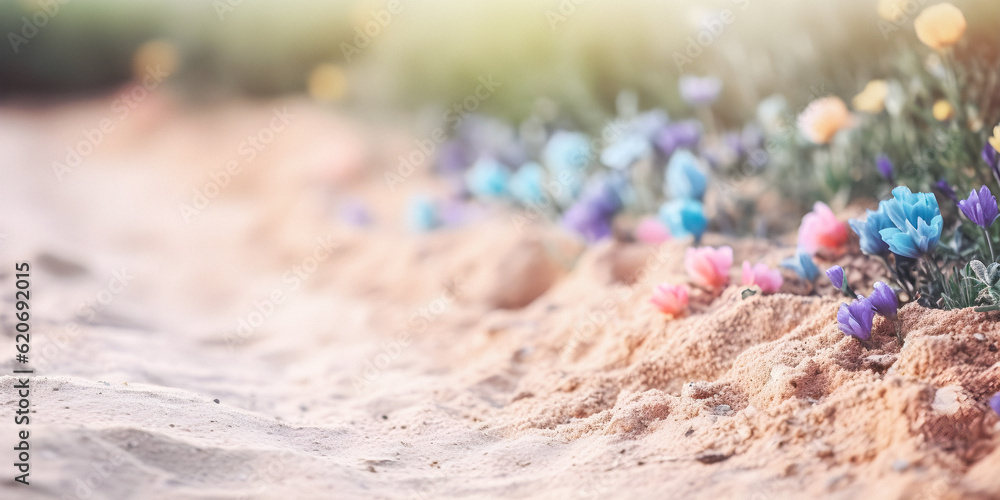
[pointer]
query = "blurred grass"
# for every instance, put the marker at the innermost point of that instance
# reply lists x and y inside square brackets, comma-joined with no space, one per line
[433,51]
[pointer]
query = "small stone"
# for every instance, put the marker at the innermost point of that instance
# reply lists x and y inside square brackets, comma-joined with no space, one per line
[980,337]
[723,409]
[216,401]
[900,465]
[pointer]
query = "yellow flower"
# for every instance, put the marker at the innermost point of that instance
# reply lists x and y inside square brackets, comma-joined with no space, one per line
[823,118]
[327,82]
[942,110]
[940,26]
[872,98]
[995,139]
[892,10]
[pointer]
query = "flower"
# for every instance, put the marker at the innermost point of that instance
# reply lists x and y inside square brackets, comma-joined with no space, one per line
[803,265]
[892,10]
[769,280]
[868,231]
[527,185]
[823,118]
[991,156]
[947,190]
[820,229]
[684,218]
[685,177]
[883,300]
[671,300]
[995,403]
[942,110]
[855,319]
[872,98]
[917,223]
[682,134]
[421,214]
[940,26]
[980,207]
[622,153]
[836,275]
[586,220]
[355,213]
[698,91]
[452,158]
[651,230]
[994,141]
[884,166]
[567,151]
[487,178]
[709,267]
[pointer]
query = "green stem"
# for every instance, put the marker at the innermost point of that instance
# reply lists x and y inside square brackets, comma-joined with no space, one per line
[990,243]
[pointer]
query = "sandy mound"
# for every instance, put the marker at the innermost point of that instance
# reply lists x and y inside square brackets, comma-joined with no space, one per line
[487,361]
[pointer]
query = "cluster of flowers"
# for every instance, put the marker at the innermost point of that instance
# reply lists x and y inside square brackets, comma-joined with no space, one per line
[586,182]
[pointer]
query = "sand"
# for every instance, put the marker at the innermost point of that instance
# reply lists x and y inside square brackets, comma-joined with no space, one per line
[490,360]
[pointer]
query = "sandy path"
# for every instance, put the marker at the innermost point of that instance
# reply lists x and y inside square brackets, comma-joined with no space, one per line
[385,369]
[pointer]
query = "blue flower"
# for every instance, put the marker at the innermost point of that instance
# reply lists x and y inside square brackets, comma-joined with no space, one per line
[980,207]
[421,214]
[527,185]
[698,91]
[624,152]
[884,165]
[855,319]
[487,178]
[684,218]
[884,300]
[803,265]
[868,231]
[917,223]
[567,151]
[685,178]
[836,275]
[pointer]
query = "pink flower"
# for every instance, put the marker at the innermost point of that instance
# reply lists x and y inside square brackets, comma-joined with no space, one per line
[821,229]
[671,300]
[709,267]
[769,280]
[651,230]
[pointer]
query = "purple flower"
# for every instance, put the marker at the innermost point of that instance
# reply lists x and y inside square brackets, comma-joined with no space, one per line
[698,91]
[586,220]
[355,213]
[995,403]
[884,165]
[980,207]
[884,300]
[453,157]
[836,275]
[855,319]
[683,134]
[947,190]
[992,158]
